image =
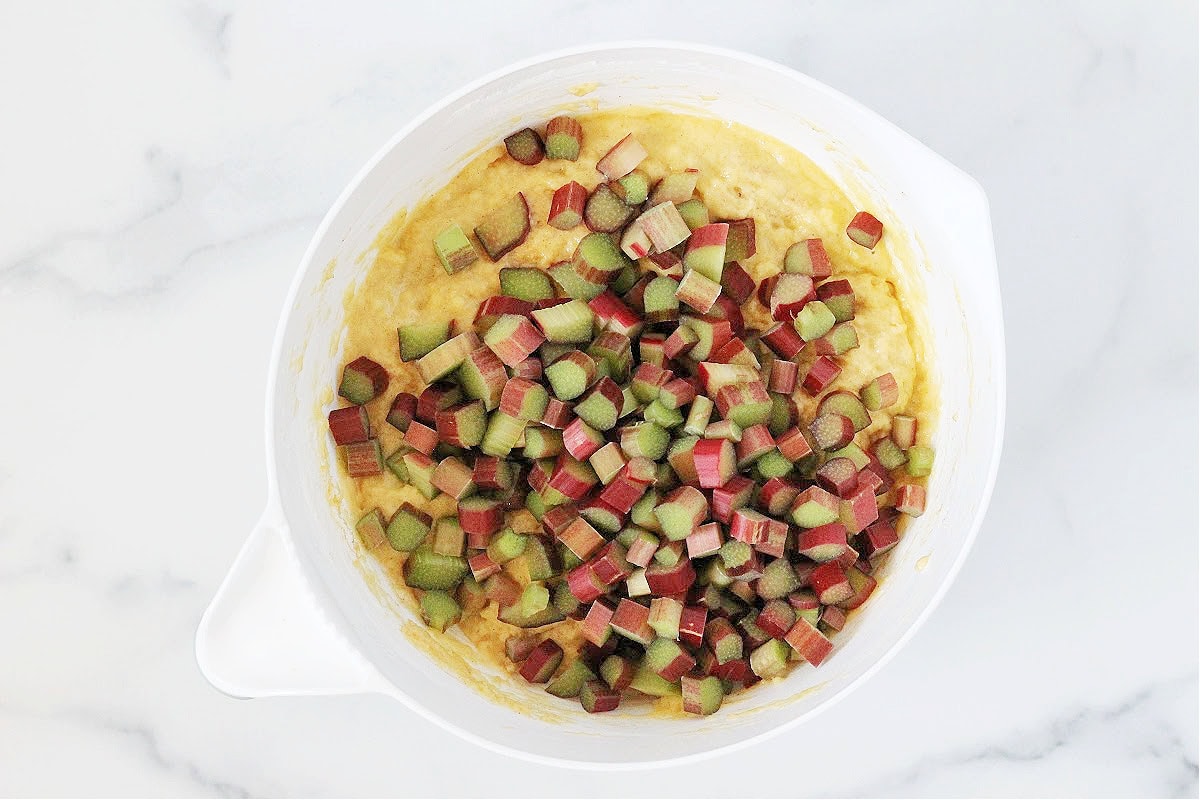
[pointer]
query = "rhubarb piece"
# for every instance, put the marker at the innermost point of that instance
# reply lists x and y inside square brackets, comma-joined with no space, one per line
[607,461]
[660,301]
[841,338]
[848,405]
[605,211]
[482,376]
[694,213]
[513,339]
[440,610]
[681,462]
[715,376]
[821,373]
[740,243]
[920,461]
[581,538]
[617,672]
[595,627]
[839,476]
[614,315]
[471,596]
[698,415]
[564,137]
[859,509]
[370,529]
[631,620]
[528,284]
[910,499]
[596,697]
[667,580]
[776,496]
[571,374]
[570,681]
[610,565]
[462,425]
[542,662]
[668,659]
[502,433]
[496,306]
[772,465]
[665,614]
[865,230]
[454,477]
[746,526]
[698,291]
[535,598]
[809,642]
[363,380]
[434,398]
[724,640]
[870,480]
[647,440]
[566,322]
[682,340]
[746,404]
[504,228]
[421,338]
[482,566]
[402,411]
[666,263]
[832,618]
[888,453]
[447,357]
[603,516]
[419,467]
[815,506]
[648,682]
[669,554]
[557,415]
[736,352]
[622,159]
[572,477]
[778,580]
[525,147]
[784,377]
[808,258]
[601,406]
[823,543]
[633,188]
[715,462]
[733,495]
[904,431]
[349,425]
[790,295]
[831,431]
[363,458]
[706,250]
[664,226]
[704,541]
[425,569]
[830,583]
[642,547]
[614,353]
[481,518]
[682,511]
[647,379]
[776,618]
[510,612]
[783,340]
[542,443]
[814,320]
[448,537]
[598,258]
[634,241]
[518,647]
[856,454]
[569,279]
[502,589]
[770,659]
[524,399]
[862,585]
[676,187]
[506,546]
[838,297]
[454,249]
[756,441]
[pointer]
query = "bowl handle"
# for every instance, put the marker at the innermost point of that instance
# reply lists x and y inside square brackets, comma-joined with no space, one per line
[265,635]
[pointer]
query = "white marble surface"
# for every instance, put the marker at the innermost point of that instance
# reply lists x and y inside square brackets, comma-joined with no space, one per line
[163,168]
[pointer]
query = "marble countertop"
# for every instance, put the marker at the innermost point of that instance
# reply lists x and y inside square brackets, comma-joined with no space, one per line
[164,167]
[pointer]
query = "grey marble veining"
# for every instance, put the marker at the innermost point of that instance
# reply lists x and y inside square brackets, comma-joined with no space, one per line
[164,168]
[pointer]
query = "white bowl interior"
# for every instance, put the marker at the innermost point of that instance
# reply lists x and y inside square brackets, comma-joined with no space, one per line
[950,253]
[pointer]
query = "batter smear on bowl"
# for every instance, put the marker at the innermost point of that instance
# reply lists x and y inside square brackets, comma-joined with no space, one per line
[633,402]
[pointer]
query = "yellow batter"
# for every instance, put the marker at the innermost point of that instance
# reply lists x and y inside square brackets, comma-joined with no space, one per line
[742,173]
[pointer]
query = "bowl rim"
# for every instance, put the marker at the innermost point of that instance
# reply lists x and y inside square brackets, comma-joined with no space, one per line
[998,369]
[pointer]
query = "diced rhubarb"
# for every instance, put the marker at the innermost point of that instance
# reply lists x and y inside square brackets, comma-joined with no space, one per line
[877,539]
[650,348]
[756,442]
[605,211]
[402,411]
[462,425]
[677,187]
[436,397]
[783,340]
[541,663]
[349,425]
[814,506]
[631,620]
[848,405]
[583,584]
[663,226]
[566,207]
[733,495]
[595,627]
[596,697]
[715,462]
[496,306]
[841,339]
[513,339]
[601,406]
[527,284]
[839,476]
[776,496]
[668,659]
[622,158]
[525,147]
[784,376]
[823,372]
[447,357]
[748,526]
[614,315]
[704,541]
[665,263]
[809,642]
[765,287]
[645,440]
[607,461]
[838,297]
[557,415]
[421,438]
[363,458]
[564,137]
[791,294]
[659,301]
[572,477]
[363,380]
[910,499]
[482,566]
[481,518]
[865,230]
[504,228]
[859,510]
[566,322]
[823,543]
[746,403]
[454,249]
[904,431]
[740,243]
[581,538]
[808,258]
[698,291]
[830,583]
[683,510]
[670,580]
[814,320]
[793,445]
[776,618]
[736,352]
[706,250]
[862,585]
[665,615]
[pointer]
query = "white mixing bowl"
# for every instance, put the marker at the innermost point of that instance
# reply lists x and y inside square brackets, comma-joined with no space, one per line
[295,614]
